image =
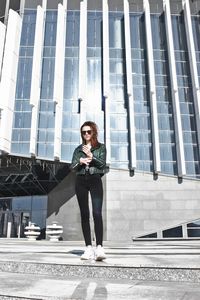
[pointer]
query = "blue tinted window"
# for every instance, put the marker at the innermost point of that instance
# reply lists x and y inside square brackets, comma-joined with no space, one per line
[70,124]
[138,34]
[22,113]
[94,31]
[73,29]
[167,152]
[118,98]
[163,95]
[144,152]
[46,122]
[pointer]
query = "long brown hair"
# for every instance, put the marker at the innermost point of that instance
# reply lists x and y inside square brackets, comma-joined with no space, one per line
[94,128]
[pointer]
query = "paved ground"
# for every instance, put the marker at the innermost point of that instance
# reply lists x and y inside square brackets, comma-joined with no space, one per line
[48,287]
[141,270]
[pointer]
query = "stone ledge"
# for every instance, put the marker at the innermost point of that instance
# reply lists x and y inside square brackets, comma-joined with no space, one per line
[3,297]
[104,272]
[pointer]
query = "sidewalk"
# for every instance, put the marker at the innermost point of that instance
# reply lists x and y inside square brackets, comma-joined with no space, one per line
[139,270]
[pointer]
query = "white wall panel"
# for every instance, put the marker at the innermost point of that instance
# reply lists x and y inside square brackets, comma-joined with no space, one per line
[83,58]
[153,104]
[175,96]
[193,64]
[59,78]
[36,76]
[2,41]
[106,74]
[9,77]
[37,57]
[131,121]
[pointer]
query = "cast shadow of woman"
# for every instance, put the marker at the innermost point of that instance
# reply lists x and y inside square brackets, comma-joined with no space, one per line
[88,287]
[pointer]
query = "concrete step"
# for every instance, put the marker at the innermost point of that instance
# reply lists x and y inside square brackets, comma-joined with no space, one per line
[172,261]
[31,286]
[155,273]
[146,270]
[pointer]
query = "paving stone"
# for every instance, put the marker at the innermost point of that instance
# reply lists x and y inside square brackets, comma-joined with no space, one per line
[168,270]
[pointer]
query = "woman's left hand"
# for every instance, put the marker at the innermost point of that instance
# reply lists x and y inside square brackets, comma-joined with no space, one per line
[87,151]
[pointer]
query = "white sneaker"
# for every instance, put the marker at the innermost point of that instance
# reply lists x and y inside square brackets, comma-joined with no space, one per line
[99,253]
[88,254]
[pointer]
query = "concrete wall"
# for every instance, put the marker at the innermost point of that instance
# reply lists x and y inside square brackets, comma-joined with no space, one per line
[132,205]
[63,208]
[138,205]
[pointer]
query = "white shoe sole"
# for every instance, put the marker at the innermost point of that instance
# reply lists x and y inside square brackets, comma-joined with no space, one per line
[84,258]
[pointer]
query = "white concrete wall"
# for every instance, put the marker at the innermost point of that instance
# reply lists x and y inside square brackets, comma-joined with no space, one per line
[132,205]
[138,205]
[63,208]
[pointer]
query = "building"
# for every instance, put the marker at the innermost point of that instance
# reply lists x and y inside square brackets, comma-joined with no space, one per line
[131,66]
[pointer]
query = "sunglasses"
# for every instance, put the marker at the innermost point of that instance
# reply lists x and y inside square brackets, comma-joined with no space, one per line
[86,131]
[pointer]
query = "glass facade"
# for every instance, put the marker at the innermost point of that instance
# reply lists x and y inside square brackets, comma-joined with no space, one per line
[196,35]
[72,108]
[141,94]
[189,230]
[186,97]
[118,98]
[18,212]
[70,132]
[46,123]
[22,114]
[164,98]
[94,97]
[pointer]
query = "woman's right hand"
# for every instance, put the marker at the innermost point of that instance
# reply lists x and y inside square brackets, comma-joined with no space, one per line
[85,161]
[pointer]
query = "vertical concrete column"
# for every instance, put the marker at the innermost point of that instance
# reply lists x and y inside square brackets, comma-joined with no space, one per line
[59,78]
[83,59]
[175,96]
[65,4]
[106,81]
[22,4]
[131,120]
[193,65]
[6,11]
[184,230]
[154,114]
[36,76]
[9,228]
[2,42]
[9,78]
[44,4]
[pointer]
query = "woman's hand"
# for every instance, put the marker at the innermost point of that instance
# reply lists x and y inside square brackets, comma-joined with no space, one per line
[87,151]
[85,161]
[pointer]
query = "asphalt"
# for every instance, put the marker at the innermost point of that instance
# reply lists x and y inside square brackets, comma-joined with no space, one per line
[132,270]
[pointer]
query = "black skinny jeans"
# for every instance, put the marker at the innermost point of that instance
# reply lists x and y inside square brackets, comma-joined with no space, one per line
[84,185]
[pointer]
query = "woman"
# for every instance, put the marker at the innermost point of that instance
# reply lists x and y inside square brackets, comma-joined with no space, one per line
[89,162]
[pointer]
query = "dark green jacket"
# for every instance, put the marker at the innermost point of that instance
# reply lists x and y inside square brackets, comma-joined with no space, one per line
[96,166]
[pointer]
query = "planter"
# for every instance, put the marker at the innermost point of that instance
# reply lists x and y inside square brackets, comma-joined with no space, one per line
[54,232]
[32,231]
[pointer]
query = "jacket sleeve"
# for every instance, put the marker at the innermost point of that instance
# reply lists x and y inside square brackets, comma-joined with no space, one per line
[75,161]
[100,160]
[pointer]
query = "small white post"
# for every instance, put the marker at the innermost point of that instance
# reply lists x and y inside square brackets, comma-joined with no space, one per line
[9,227]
